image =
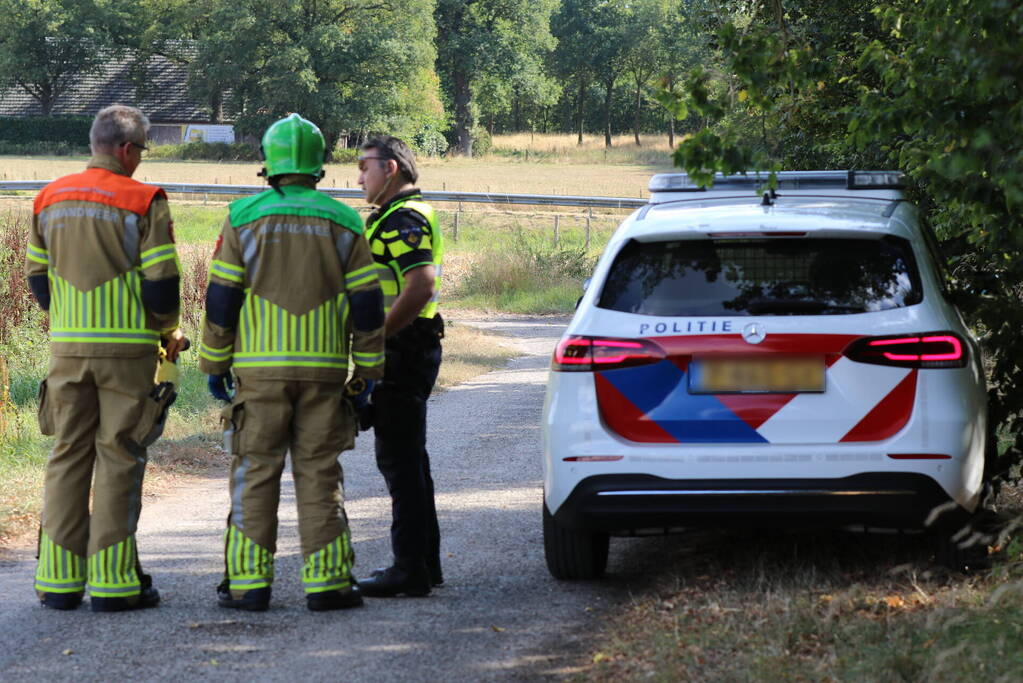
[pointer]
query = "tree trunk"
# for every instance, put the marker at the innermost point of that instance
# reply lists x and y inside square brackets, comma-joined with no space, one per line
[463,113]
[671,117]
[216,107]
[579,108]
[609,86]
[635,116]
[46,99]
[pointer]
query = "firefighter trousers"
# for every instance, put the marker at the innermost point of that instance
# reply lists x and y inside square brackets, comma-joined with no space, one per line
[95,405]
[312,421]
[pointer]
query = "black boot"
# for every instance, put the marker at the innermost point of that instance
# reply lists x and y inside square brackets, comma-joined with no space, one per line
[147,597]
[61,601]
[254,600]
[389,582]
[331,600]
[436,573]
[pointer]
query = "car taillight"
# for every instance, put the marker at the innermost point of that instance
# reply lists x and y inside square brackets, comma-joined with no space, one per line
[926,350]
[587,354]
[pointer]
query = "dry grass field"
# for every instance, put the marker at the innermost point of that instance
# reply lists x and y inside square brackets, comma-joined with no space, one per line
[555,165]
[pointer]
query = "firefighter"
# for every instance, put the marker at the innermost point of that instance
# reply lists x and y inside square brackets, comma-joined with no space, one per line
[292,298]
[101,259]
[407,247]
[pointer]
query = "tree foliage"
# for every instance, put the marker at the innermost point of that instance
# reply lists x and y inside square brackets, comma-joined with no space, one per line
[925,86]
[46,46]
[481,41]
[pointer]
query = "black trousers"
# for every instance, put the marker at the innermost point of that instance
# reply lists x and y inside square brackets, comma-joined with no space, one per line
[399,401]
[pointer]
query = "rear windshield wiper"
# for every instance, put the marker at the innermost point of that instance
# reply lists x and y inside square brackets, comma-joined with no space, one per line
[796,306]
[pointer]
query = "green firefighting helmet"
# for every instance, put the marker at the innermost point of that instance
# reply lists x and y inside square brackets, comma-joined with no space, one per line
[293,145]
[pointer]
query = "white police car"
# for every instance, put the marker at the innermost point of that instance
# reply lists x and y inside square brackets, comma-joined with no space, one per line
[789,359]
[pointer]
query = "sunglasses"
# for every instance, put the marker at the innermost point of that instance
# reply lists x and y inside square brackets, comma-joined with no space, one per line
[141,148]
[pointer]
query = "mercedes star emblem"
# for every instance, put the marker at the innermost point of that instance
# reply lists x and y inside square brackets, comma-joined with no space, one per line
[754,333]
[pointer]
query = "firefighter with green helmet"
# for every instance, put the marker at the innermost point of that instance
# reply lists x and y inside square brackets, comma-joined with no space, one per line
[405,238]
[101,259]
[293,299]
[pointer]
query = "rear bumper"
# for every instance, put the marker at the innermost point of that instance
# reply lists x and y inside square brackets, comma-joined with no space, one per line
[638,503]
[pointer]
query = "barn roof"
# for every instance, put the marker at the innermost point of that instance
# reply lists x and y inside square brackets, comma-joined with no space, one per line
[164,98]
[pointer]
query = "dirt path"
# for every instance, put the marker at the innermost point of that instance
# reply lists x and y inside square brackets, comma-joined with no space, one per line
[500,615]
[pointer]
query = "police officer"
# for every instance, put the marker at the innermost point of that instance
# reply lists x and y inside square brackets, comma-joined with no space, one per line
[292,298]
[407,247]
[101,260]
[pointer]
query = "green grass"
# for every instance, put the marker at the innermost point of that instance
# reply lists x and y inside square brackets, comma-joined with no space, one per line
[197,224]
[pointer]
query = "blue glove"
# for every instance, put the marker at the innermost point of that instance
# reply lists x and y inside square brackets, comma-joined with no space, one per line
[358,391]
[221,386]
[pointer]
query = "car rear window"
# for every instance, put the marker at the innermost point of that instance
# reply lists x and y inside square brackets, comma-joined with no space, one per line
[777,276]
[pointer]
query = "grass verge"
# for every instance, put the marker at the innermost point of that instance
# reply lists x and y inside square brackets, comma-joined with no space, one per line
[748,606]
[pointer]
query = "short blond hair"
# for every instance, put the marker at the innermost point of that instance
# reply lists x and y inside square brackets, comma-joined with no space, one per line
[115,125]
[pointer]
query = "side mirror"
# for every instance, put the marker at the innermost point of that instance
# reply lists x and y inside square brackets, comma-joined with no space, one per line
[586,284]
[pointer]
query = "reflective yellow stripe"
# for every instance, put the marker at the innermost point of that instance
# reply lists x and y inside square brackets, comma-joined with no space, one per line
[227,271]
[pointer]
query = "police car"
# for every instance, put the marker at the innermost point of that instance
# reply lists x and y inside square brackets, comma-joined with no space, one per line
[790,358]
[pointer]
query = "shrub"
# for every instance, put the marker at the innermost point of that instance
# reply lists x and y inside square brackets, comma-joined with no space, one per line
[481,141]
[73,130]
[16,302]
[530,265]
[430,142]
[50,149]
[207,151]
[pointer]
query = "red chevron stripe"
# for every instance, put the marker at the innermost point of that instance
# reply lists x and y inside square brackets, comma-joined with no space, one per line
[888,416]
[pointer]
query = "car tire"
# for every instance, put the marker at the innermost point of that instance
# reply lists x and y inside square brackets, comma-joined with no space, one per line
[573,555]
[965,550]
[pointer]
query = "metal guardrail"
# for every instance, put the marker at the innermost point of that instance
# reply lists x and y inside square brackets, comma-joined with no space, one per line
[354,193]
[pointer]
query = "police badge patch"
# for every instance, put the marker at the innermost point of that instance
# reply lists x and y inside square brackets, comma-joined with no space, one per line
[411,235]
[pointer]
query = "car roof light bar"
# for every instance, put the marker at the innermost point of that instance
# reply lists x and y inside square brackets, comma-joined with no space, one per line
[787,180]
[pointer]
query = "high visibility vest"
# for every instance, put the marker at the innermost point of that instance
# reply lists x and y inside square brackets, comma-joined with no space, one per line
[392,282]
[111,312]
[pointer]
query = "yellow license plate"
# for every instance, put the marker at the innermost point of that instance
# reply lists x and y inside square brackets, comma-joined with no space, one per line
[756,375]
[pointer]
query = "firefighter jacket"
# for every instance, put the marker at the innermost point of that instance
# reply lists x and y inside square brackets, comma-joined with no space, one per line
[403,234]
[293,293]
[101,260]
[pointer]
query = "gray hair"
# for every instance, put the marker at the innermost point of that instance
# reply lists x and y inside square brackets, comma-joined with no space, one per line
[115,125]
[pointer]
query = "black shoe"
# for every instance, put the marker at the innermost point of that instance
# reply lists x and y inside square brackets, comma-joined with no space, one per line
[149,597]
[254,600]
[436,574]
[330,600]
[61,601]
[392,581]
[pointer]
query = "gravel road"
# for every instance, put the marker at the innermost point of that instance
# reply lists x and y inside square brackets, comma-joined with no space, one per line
[499,616]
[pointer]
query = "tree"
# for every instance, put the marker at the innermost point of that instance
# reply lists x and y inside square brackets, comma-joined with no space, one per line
[47,46]
[345,64]
[479,40]
[644,54]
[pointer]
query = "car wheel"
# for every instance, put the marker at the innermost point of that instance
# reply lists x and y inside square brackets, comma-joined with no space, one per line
[966,549]
[573,554]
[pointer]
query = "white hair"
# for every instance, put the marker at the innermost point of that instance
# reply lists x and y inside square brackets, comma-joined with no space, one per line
[115,125]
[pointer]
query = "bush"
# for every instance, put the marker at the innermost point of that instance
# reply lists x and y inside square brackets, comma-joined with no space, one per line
[48,149]
[481,141]
[345,155]
[73,130]
[530,277]
[207,151]
[430,142]
[17,306]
